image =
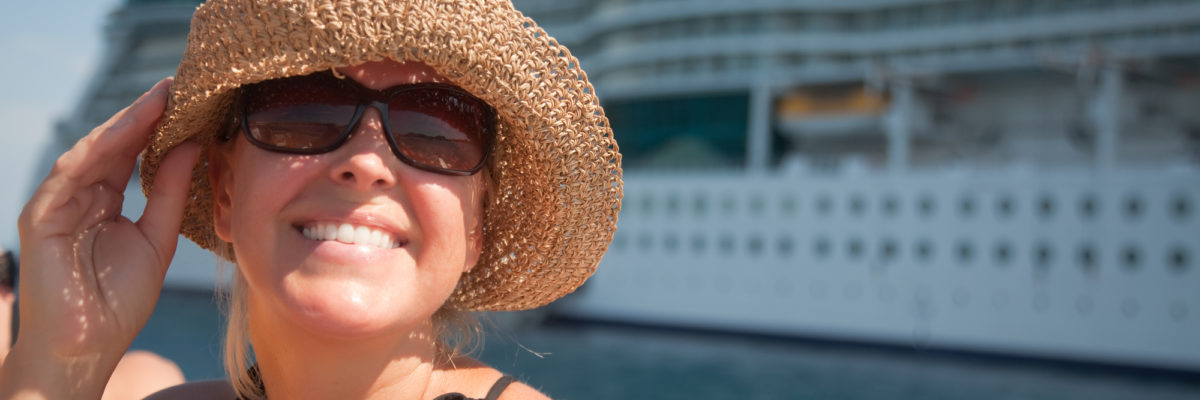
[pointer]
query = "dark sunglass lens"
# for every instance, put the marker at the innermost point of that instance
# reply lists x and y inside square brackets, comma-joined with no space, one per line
[441,128]
[298,114]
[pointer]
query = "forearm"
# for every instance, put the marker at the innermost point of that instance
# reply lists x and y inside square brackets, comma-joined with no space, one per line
[30,372]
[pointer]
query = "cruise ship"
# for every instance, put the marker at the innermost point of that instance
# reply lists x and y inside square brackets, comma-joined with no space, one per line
[1015,177]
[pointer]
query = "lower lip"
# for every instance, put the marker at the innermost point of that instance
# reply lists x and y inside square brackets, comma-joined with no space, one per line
[335,251]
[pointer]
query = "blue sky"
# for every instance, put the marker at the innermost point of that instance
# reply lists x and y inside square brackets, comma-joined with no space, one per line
[49,48]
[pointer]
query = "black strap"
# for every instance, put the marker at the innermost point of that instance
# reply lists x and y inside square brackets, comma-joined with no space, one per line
[492,394]
[499,387]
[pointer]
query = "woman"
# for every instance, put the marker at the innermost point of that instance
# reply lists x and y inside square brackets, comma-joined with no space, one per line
[372,168]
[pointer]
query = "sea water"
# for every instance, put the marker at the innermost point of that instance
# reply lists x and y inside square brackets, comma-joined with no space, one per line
[588,361]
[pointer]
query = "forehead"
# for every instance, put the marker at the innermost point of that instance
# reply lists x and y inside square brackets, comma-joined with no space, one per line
[380,75]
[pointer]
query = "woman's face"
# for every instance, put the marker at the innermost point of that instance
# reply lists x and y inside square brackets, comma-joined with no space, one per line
[428,224]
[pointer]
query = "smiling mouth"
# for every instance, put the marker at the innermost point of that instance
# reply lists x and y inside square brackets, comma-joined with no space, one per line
[350,234]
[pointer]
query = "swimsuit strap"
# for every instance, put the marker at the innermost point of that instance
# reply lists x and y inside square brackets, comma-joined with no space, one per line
[499,387]
[493,393]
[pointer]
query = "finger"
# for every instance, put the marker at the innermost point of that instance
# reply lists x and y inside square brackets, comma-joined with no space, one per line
[108,153]
[167,198]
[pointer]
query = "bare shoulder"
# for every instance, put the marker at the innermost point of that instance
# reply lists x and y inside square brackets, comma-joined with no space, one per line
[214,389]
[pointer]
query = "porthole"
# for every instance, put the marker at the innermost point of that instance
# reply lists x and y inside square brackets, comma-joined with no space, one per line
[1131,258]
[1043,255]
[725,244]
[700,205]
[966,206]
[670,243]
[698,243]
[1087,259]
[965,253]
[1046,206]
[757,205]
[1178,259]
[1002,253]
[888,250]
[926,206]
[890,205]
[648,205]
[821,247]
[824,206]
[755,245]
[857,205]
[788,205]
[1181,207]
[924,250]
[645,242]
[1088,206]
[727,205]
[673,204]
[1133,207]
[784,246]
[854,248]
[1005,207]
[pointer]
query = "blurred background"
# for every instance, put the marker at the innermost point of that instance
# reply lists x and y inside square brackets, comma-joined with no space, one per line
[858,199]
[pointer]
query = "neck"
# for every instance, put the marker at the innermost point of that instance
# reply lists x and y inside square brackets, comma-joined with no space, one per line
[298,364]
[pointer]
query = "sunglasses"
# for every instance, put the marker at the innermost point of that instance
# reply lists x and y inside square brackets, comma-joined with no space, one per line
[435,127]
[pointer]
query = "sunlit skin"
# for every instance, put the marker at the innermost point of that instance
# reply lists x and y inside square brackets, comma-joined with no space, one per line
[327,296]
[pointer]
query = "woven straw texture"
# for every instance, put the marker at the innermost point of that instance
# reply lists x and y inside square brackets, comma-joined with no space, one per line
[552,210]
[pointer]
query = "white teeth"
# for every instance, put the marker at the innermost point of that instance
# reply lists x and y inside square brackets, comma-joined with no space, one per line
[350,234]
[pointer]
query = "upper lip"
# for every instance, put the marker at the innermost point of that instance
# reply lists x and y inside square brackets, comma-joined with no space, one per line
[367,219]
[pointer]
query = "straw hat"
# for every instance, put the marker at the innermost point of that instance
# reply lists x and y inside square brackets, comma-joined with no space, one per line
[552,211]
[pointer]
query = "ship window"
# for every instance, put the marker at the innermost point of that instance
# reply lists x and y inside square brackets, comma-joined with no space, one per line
[698,243]
[1087,259]
[673,204]
[704,131]
[785,246]
[1131,258]
[726,243]
[757,205]
[644,242]
[890,205]
[1181,207]
[1133,207]
[821,247]
[788,205]
[1005,207]
[1002,254]
[1178,259]
[648,205]
[857,205]
[755,245]
[824,205]
[854,248]
[966,206]
[924,250]
[1043,254]
[927,206]
[670,243]
[888,251]
[1046,206]
[700,204]
[1088,206]
[965,253]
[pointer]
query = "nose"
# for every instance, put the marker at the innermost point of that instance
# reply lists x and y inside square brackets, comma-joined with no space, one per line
[365,162]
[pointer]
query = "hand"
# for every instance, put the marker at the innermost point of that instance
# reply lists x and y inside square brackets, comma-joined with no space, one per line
[90,276]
